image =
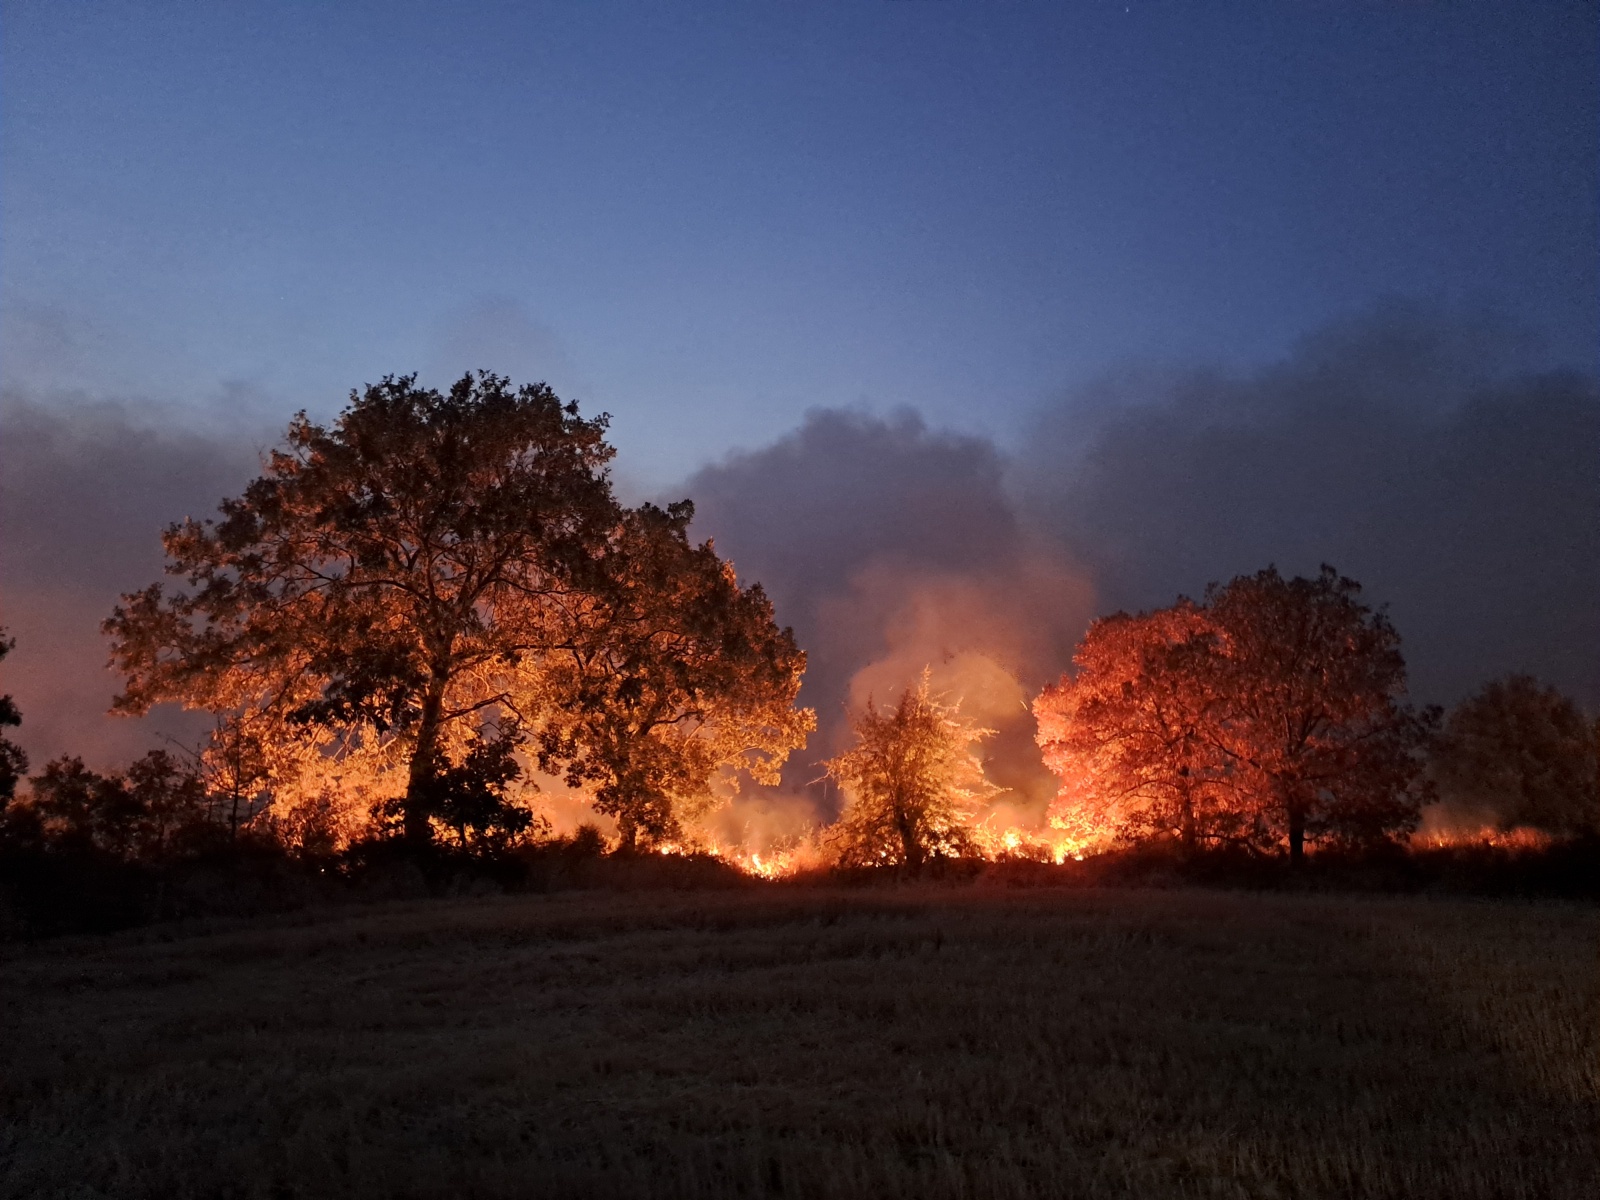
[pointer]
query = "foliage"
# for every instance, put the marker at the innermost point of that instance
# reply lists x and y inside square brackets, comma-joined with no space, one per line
[1272,713]
[912,779]
[1527,753]
[384,584]
[469,797]
[235,766]
[1315,725]
[150,813]
[673,679]
[13,762]
[1127,731]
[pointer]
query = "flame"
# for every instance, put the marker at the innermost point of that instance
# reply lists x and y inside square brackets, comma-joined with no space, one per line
[1488,836]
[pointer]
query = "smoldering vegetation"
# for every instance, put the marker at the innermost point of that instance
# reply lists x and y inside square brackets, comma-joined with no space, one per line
[908,1043]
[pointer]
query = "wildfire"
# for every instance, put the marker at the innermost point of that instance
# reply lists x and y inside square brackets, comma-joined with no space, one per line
[1519,838]
[1054,845]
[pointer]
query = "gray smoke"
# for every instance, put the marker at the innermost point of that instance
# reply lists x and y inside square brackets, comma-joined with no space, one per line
[85,490]
[1414,454]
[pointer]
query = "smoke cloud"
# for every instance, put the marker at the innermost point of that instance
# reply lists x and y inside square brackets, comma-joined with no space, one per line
[893,548]
[1415,454]
[85,490]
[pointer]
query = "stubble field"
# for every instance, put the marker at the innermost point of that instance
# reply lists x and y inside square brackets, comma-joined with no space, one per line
[913,1042]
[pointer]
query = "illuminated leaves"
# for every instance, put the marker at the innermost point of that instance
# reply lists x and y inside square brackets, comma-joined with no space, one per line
[1272,713]
[913,782]
[673,681]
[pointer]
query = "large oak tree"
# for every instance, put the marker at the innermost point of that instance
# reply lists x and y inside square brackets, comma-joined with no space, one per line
[1316,722]
[385,581]
[1526,753]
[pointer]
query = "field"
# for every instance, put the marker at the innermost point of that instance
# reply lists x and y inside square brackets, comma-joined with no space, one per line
[911,1042]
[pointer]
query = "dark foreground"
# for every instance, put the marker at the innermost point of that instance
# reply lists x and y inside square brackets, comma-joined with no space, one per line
[960,1042]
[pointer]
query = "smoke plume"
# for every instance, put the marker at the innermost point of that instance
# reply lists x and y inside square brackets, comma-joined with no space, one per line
[1414,454]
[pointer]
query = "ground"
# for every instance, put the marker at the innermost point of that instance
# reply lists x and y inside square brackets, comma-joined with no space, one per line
[912,1042]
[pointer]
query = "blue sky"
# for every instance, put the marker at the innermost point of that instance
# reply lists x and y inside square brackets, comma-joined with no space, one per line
[708,219]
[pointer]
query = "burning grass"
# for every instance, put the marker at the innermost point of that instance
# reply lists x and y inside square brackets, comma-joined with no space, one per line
[916,1042]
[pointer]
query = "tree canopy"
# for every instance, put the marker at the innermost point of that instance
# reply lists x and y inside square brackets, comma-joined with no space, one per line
[1272,713]
[912,780]
[672,678]
[1526,753]
[13,761]
[433,568]
[1127,732]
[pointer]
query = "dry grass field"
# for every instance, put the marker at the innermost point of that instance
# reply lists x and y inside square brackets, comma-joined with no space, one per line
[915,1042]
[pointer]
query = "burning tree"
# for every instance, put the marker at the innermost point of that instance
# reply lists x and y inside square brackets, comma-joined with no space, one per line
[1272,713]
[672,678]
[1526,753]
[1128,732]
[913,781]
[383,585]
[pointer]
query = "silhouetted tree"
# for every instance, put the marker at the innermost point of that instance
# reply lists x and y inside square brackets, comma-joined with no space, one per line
[383,585]
[912,780]
[672,677]
[470,797]
[148,813]
[81,809]
[13,762]
[1316,726]
[1525,752]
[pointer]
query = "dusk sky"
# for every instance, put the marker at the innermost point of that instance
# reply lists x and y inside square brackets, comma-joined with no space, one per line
[707,220]
[960,323]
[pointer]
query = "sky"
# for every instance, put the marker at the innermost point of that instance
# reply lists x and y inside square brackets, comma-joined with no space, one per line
[961,323]
[707,220]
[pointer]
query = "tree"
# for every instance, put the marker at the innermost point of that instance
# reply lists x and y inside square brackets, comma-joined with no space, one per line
[912,779]
[470,798]
[1315,723]
[382,588]
[236,768]
[149,812]
[1525,752]
[673,679]
[1128,731]
[13,762]
[1270,714]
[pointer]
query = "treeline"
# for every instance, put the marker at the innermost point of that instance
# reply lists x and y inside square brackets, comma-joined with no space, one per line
[415,606]
[1265,722]
[1273,716]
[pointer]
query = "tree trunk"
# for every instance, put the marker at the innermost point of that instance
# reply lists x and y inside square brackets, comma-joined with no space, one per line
[1297,833]
[424,765]
[910,847]
[627,834]
[1186,827]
